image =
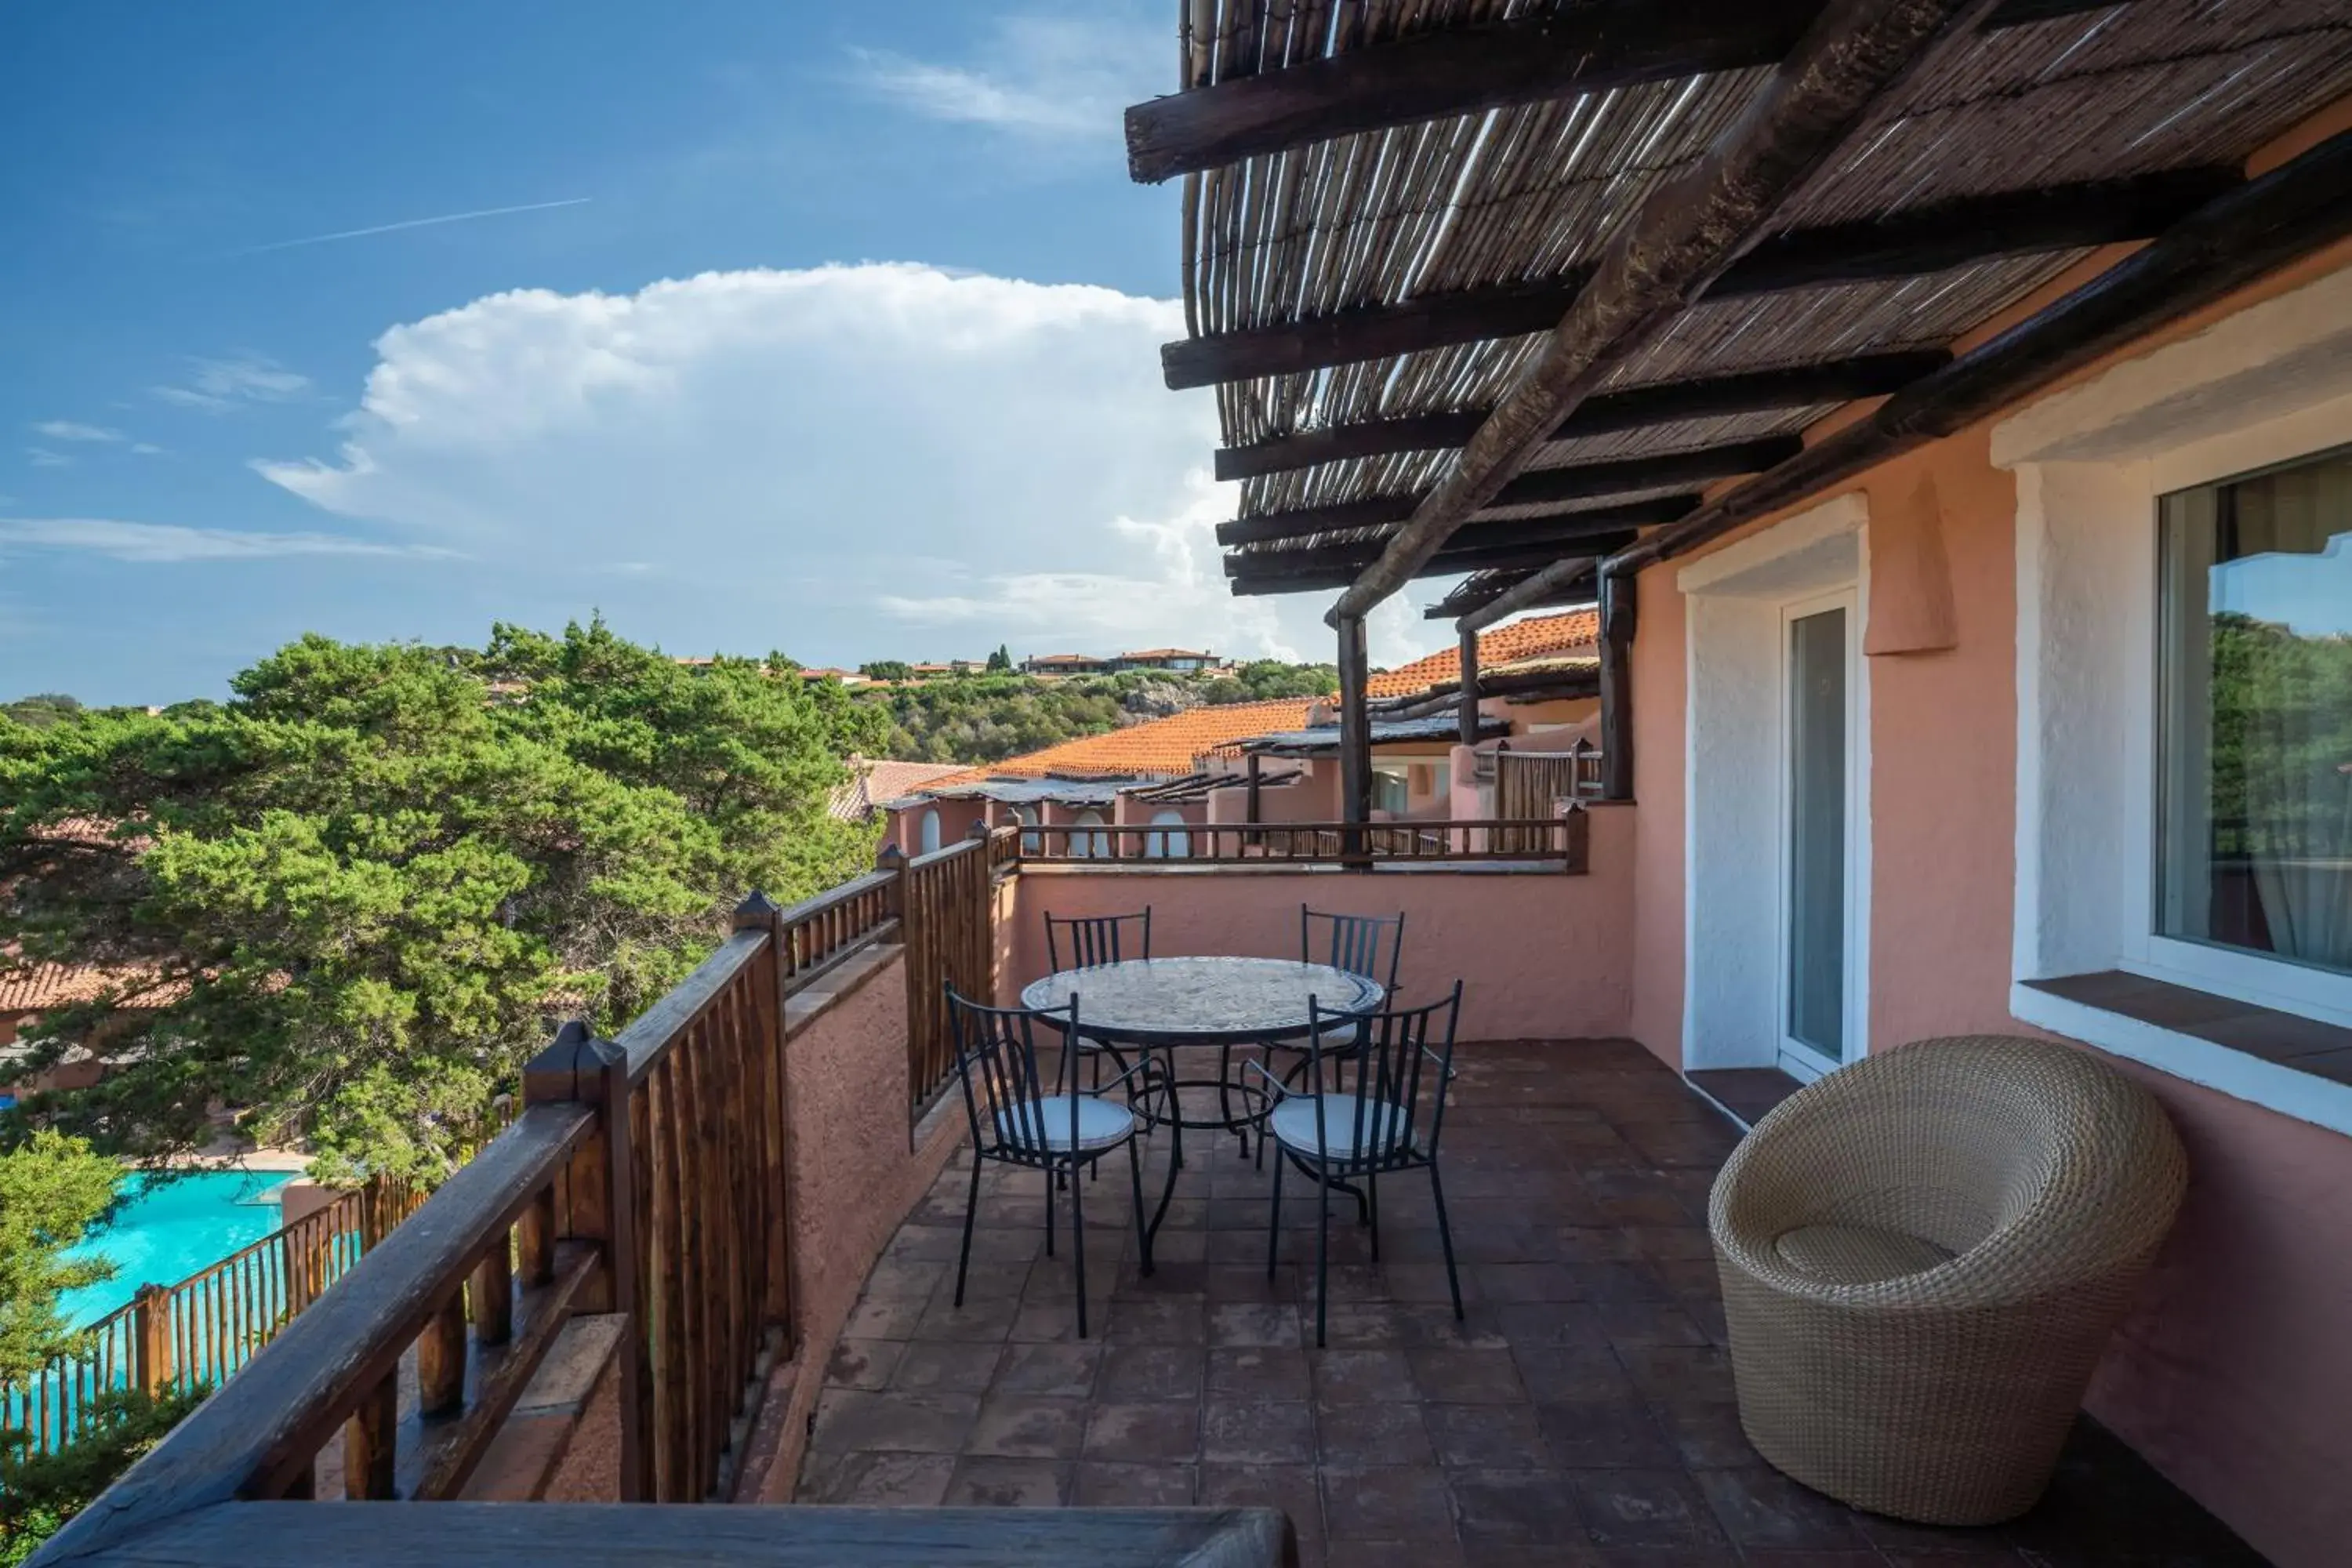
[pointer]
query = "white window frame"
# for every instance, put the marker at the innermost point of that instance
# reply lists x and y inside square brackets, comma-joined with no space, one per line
[1797,1058]
[2267,386]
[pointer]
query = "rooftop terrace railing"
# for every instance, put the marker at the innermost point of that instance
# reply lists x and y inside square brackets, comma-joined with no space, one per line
[1559,842]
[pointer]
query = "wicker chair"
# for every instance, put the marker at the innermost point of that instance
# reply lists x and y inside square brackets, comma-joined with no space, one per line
[1922,1258]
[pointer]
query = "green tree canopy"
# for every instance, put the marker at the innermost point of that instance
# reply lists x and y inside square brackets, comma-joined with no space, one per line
[350,901]
[42,708]
[52,1190]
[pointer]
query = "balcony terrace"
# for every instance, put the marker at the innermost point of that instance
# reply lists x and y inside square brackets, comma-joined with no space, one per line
[713,1261]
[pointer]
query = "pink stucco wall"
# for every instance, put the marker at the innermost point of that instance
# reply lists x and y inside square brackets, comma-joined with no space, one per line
[2233,1374]
[1542,954]
[853,1177]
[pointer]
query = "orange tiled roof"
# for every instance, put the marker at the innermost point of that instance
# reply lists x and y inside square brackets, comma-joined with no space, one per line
[38,987]
[1161,747]
[879,781]
[1521,640]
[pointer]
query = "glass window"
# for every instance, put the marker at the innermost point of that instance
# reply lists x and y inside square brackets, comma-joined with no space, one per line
[1392,789]
[2254,821]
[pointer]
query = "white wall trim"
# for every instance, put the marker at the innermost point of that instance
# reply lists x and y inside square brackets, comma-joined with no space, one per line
[1748,567]
[2321,1101]
[2265,385]
[1733,720]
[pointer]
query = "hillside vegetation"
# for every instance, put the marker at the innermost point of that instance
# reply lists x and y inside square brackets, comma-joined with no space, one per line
[985,718]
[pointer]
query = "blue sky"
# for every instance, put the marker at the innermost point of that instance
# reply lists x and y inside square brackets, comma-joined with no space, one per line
[823,328]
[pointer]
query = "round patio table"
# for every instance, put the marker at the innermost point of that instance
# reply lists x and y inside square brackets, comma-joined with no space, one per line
[1166,1003]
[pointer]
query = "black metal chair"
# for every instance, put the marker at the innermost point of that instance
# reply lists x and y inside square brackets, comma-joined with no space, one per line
[1095,939]
[1384,1126]
[1352,943]
[1098,939]
[1016,1121]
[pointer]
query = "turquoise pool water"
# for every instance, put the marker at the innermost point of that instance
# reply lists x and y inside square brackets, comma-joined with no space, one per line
[171,1229]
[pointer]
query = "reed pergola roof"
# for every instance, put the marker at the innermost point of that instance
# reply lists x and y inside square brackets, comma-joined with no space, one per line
[1389,205]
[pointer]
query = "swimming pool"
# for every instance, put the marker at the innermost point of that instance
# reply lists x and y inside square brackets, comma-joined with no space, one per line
[171,1229]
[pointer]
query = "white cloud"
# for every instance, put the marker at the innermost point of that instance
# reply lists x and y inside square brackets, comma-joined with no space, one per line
[147,449]
[1049,77]
[218,385]
[42,458]
[157,542]
[69,430]
[846,462]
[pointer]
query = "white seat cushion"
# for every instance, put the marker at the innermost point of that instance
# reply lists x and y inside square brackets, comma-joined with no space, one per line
[1293,1125]
[1101,1124]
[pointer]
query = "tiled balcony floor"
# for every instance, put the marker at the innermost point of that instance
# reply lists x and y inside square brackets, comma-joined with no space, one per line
[1583,1413]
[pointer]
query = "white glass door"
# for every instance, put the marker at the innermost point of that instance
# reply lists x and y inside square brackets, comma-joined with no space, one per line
[1817,1016]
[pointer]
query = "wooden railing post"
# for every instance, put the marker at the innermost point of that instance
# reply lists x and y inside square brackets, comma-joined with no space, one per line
[772,1108]
[151,1341]
[597,1205]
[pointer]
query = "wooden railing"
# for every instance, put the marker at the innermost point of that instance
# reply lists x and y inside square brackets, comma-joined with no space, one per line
[1559,841]
[199,1331]
[949,924]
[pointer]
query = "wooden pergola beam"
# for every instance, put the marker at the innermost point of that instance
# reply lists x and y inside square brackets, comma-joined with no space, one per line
[1467,71]
[1385,512]
[1636,409]
[1677,243]
[1320,579]
[1582,481]
[1924,239]
[1479,537]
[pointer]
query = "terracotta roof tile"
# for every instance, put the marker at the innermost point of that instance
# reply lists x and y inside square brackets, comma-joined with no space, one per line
[1161,748]
[877,782]
[1536,636]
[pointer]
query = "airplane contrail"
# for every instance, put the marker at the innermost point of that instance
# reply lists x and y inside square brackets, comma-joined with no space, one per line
[411,223]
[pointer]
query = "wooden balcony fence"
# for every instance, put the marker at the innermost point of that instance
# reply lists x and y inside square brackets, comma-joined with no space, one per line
[204,1328]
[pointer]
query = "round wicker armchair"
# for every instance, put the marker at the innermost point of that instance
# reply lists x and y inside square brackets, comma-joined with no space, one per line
[1923,1255]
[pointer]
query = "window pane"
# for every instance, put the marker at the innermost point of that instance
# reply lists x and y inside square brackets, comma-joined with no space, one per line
[2255,831]
[1817,771]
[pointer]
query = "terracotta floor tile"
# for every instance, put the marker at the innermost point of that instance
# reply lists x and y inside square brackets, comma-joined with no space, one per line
[852,1419]
[1163,1432]
[1257,1432]
[1372,1435]
[880,1480]
[1132,1372]
[1057,1371]
[1109,1484]
[1259,1325]
[1607,1433]
[1389,1502]
[1498,1437]
[1527,1507]
[1259,1373]
[862,1363]
[1467,1376]
[982,1482]
[1643,1508]
[1019,1427]
[1361,1376]
[944,1366]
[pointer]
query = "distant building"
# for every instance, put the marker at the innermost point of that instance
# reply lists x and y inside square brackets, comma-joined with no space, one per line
[1066,664]
[1182,660]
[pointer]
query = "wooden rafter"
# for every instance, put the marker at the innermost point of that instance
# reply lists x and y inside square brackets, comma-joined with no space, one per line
[1677,243]
[1516,536]
[1582,481]
[1467,71]
[1639,407]
[1924,239]
[1442,564]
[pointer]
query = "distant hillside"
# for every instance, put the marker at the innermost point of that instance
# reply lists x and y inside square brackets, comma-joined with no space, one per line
[986,717]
